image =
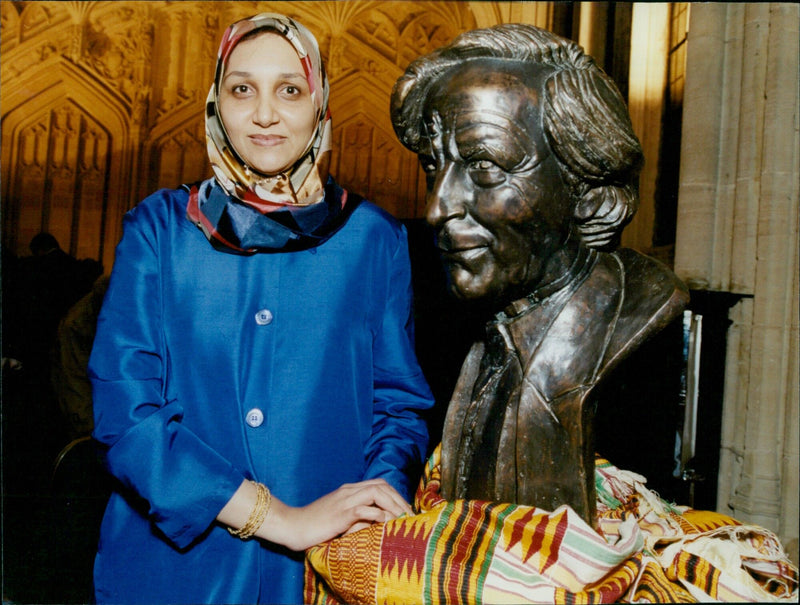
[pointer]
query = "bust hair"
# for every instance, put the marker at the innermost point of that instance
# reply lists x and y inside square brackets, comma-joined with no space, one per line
[585,120]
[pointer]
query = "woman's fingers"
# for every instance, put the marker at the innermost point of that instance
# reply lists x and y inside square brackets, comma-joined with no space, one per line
[349,508]
[379,493]
[356,505]
[357,527]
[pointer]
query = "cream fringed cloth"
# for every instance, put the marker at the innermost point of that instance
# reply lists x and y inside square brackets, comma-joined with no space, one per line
[470,551]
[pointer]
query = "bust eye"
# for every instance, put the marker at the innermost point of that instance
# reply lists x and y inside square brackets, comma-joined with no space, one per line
[486,173]
[482,165]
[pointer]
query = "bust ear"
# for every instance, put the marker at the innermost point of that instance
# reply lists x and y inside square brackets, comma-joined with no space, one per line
[589,203]
[602,212]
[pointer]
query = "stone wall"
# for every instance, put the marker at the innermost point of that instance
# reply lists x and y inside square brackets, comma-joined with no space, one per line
[738,223]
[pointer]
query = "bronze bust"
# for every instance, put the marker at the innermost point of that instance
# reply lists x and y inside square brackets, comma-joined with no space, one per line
[532,173]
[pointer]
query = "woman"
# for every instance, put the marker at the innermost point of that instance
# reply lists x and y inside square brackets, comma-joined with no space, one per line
[254,378]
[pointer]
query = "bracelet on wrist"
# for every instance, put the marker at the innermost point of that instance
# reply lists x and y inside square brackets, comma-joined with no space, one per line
[257,515]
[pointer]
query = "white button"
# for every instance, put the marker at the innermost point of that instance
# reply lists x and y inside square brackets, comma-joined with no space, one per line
[254,417]
[263,317]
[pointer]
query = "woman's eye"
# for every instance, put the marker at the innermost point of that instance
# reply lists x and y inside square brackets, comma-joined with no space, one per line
[290,90]
[240,89]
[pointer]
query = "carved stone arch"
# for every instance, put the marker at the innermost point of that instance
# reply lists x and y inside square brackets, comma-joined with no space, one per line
[356,59]
[10,20]
[175,152]
[88,206]
[455,16]
[39,17]
[377,31]
[368,158]
[357,93]
[422,33]
[326,20]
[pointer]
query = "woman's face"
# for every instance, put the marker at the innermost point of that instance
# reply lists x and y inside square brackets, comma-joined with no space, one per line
[265,103]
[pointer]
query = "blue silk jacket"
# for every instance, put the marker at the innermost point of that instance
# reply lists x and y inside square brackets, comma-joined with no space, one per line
[295,369]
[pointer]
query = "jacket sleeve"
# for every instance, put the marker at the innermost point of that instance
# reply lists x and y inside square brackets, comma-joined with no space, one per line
[396,448]
[176,480]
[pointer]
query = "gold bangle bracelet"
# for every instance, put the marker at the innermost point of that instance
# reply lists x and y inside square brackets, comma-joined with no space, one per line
[257,515]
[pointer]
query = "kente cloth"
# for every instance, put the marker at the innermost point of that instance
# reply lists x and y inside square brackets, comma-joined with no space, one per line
[644,550]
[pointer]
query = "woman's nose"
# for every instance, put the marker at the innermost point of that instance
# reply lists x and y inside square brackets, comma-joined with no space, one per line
[264,112]
[447,196]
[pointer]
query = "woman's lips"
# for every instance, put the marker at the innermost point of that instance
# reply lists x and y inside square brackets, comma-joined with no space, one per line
[264,140]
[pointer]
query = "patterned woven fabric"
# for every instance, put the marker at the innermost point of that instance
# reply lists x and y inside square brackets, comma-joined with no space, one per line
[471,551]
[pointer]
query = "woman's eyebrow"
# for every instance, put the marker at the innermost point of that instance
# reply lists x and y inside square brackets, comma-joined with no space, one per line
[236,74]
[292,75]
[289,75]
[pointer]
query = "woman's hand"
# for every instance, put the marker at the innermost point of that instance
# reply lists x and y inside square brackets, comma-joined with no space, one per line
[350,507]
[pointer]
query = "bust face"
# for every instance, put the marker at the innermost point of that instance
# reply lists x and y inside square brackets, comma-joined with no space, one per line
[495,193]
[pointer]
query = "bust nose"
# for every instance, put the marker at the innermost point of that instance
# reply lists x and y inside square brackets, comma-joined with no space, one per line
[447,195]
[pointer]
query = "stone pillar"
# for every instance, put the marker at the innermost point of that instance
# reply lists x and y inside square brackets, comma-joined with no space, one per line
[738,223]
[593,28]
[487,14]
[646,84]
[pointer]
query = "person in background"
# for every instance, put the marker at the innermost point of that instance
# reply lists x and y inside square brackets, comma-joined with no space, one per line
[255,384]
[38,290]
[8,281]
[70,358]
[45,285]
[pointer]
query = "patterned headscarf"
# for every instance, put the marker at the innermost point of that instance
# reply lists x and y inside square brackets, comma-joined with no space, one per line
[244,211]
[303,183]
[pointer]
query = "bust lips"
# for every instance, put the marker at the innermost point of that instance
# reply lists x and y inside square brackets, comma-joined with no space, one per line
[463,255]
[460,244]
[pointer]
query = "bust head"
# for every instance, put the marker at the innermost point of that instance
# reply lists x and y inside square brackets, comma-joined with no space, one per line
[528,152]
